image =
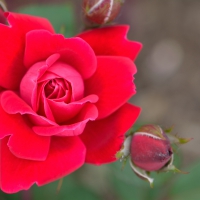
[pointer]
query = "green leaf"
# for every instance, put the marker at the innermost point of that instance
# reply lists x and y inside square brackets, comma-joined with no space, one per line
[60,15]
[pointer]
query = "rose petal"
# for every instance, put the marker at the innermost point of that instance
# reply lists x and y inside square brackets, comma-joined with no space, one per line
[65,156]
[71,75]
[76,127]
[5,121]
[24,143]
[74,51]
[47,109]
[27,145]
[103,138]
[45,71]
[63,112]
[7,99]
[111,41]
[28,86]
[12,42]
[112,83]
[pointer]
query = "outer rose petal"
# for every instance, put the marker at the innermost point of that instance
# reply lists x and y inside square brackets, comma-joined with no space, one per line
[73,51]
[111,41]
[23,143]
[12,43]
[112,83]
[103,138]
[27,145]
[65,156]
[7,99]
[23,140]
[5,121]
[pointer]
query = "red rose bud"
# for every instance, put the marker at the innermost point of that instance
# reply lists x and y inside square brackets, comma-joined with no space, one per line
[150,148]
[101,11]
[2,10]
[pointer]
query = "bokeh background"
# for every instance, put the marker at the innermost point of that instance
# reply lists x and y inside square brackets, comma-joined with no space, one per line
[168,82]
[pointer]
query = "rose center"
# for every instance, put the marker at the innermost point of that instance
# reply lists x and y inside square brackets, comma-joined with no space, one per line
[58,88]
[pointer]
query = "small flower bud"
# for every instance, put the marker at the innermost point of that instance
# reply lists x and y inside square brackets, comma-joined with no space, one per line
[2,10]
[150,148]
[101,11]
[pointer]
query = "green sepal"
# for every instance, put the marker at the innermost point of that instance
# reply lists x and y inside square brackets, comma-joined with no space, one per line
[169,130]
[124,153]
[142,173]
[174,139]
[171,167]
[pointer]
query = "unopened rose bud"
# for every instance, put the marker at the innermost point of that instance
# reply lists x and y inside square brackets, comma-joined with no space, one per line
[2,10]
[101,11]
[150,148]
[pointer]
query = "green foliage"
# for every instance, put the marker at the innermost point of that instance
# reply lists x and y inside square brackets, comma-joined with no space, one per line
[61,16]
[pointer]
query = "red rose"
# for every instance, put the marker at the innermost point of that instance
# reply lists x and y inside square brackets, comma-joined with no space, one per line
[63,102]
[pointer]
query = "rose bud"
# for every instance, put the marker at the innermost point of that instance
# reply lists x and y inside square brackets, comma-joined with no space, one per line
[2,10]
[149,149]
[101,11]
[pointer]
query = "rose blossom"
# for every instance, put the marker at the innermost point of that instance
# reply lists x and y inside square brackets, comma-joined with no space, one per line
[63,101]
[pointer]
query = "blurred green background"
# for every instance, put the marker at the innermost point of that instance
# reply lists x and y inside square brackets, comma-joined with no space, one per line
[168,92]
